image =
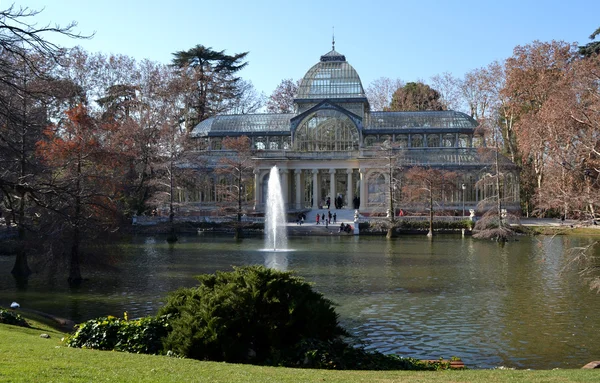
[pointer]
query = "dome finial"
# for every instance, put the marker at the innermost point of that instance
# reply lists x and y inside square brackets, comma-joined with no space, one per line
[333,38]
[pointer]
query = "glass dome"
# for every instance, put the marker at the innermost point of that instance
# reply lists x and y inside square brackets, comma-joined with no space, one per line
[332,77]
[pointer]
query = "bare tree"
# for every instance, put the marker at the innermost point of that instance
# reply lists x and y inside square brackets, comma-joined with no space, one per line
[25,55]
[428,185]
[449,88]
[237,171]
[282,98]
[248,101]
[380,92]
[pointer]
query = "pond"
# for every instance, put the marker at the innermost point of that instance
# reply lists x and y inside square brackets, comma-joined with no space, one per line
[519,305]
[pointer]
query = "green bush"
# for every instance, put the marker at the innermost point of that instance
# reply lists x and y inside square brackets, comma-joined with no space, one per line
[339,355]
[11,317]
[142,336]
[252,314]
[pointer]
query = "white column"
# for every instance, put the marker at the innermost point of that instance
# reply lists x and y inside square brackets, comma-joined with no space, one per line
[332,185]
[257,192]
[349,191]
[297,173]
[283,176]
[315,195]
[363,188]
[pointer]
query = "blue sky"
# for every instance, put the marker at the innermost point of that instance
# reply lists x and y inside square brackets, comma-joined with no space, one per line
[410,40]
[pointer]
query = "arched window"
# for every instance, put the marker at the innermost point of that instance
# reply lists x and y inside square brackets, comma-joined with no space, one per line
[416,141]
[216,143]
[464,141]
[402,140]
[274,143]
[370,140]
[448,141]
[260,143]
[433,140]
[326,130]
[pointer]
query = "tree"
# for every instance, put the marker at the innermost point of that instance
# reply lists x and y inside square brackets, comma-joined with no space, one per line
[211,80]
[533,74]
[20,39]
[592,48]
[168,164]
[250,315]
[21,121]
[83,178]
[571,118]
[24,57]
[415,96]
[394,156]
[495,223]
[380,92]
[428,185]
[237,172]
[449,88]
[249,100]
[282,98]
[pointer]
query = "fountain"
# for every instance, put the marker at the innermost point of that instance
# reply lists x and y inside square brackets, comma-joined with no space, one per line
[275,220]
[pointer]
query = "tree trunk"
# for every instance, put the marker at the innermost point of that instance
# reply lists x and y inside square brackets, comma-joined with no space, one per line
[430,233]
[21,267]
[74,268]
[172,237]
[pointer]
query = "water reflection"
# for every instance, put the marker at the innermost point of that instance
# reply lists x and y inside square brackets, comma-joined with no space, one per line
[520,305]
[276,260]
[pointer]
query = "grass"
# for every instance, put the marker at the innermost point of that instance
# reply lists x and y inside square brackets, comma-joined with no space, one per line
[25,357]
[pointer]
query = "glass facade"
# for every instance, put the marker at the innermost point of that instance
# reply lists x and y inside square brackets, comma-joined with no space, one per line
[326,130]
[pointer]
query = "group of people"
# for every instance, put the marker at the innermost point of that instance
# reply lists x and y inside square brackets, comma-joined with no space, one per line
[301,218]
[326,220]
[345,228]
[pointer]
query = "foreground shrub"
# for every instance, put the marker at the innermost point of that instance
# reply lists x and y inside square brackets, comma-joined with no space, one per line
[339,355]
[11,317]
[142,336]
[252,314]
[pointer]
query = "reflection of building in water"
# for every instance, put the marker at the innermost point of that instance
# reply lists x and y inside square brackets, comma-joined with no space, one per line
[332,145]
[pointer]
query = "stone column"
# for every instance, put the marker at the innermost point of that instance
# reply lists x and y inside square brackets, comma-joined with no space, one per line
[363,188]
[332,186]
[257,192]
[283,176]
[315,196]
[349,191]
[297,173]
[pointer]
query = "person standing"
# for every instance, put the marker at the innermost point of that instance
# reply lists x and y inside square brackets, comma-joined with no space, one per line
[334,217]
[318,217]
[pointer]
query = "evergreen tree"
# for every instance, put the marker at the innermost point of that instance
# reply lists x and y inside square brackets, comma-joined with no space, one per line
[591,48]
[212,83]
[415,96]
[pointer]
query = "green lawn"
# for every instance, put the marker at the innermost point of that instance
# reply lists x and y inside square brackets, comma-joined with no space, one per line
[25,357]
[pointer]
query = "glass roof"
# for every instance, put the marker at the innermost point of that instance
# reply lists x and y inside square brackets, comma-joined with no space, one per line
[426,119]
[244,124]
[253,124]
[332,77]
